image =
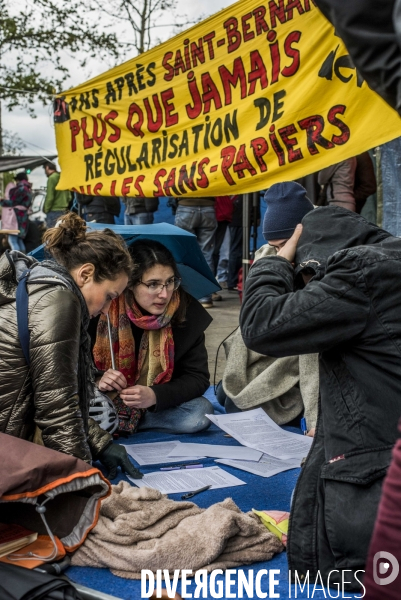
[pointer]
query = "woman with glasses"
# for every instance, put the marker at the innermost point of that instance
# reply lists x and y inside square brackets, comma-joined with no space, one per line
[161,367]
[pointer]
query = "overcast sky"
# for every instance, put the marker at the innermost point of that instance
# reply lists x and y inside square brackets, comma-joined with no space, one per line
[38,134]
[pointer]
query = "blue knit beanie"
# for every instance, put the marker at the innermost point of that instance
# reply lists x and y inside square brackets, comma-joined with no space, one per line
[287,204]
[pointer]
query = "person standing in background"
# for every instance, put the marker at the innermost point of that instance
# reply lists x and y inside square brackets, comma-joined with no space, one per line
[348,183]
[197,215]
[56,201]
[20,199]
[224,208]
[5,220]
[338,182]
[10,185]
[101,209]
[139,211]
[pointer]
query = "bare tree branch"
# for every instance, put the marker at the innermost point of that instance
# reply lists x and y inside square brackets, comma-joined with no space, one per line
[142,17]
[39,36]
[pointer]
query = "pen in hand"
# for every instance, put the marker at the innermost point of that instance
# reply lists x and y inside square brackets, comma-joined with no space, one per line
[303,426]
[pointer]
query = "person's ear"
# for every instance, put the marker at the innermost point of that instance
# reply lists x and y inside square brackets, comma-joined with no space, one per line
[85,274]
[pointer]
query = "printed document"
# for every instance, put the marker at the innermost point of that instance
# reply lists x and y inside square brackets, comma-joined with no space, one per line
[253,428]
[156,453]
[216,451]
[174,482]
[266,467]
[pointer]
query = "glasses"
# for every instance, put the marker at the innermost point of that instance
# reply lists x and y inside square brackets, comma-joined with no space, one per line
[156,288]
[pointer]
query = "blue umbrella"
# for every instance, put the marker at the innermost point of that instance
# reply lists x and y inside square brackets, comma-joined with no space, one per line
[197,278]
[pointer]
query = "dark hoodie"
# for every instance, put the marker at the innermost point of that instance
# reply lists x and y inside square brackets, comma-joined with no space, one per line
[328,230]
[349,313]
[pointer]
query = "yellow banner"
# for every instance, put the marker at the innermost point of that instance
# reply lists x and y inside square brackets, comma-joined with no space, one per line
[259,93]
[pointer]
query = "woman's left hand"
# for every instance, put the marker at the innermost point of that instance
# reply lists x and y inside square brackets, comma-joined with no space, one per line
[138,396]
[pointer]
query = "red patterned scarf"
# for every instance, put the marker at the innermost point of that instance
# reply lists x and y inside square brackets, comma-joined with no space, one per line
[157,344]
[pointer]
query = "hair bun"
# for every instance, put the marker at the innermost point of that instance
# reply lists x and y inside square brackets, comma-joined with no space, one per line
[70,230]
[71,245]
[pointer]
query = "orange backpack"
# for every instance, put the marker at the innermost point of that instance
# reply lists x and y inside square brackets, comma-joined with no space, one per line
[48,492]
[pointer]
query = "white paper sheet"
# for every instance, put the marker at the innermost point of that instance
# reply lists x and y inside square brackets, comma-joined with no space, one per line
[173,482]
[216,451]
[156,453]
[253,428]
[266,467]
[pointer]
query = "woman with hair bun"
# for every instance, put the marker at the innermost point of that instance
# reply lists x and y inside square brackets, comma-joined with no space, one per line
[159,346]
[48,400]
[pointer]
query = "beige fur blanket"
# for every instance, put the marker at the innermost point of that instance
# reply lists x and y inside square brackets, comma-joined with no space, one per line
[283,387]
[140,528]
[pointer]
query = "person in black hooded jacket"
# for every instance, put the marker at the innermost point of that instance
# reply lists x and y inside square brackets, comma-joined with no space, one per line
[348,312]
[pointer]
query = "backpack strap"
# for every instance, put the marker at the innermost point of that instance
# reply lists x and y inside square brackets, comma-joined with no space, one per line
[22,315]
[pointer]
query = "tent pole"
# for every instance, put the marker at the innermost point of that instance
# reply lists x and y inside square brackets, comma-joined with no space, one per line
[255,215]
[245,235]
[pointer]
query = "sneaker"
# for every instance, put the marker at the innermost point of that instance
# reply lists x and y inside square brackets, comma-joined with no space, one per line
[207,304]
[233,290]
[216,297]
[223,284]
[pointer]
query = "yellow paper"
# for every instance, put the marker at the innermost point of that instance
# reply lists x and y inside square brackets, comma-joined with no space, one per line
[259,93]
[276,521]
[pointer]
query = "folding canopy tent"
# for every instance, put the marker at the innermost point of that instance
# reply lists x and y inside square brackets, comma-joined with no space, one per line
[12,163]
